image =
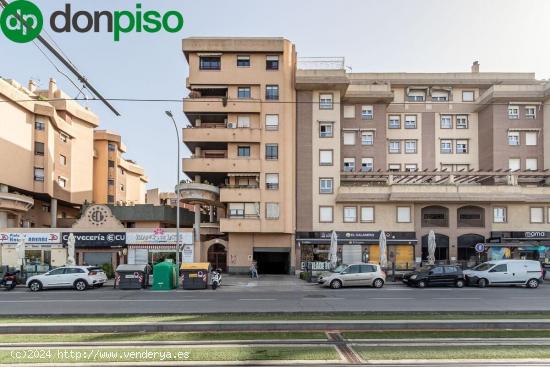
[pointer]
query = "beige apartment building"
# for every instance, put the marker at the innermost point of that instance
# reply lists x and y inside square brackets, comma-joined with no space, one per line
[242,138]
[117,180]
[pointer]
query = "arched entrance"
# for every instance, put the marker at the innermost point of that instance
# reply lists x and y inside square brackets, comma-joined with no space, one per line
[441,249]
[217,256]
[466,246]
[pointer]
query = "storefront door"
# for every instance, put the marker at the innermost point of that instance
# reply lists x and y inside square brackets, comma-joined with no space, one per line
[217,256]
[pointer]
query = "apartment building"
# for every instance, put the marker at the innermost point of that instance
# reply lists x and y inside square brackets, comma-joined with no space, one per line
[117,180]
[46,155]
[462,154]
[242,138]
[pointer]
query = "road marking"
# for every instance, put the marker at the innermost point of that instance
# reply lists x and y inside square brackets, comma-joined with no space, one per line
[106,300]
[257,299]
[456,298]
[390,298]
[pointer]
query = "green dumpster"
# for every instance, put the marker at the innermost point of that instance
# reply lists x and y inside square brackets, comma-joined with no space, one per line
[164,276]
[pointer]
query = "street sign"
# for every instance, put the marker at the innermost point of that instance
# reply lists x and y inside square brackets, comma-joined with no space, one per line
[480,247]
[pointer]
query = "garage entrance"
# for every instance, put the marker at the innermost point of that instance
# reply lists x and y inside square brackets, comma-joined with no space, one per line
[272,260]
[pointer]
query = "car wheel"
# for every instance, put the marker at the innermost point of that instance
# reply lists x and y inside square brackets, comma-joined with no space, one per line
[459,283]
[421,284]
[335,284]
[378,283]
[532,283]
[80,285]
[482,283]
[35,286]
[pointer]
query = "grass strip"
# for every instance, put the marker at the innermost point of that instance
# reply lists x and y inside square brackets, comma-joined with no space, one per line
[451,334]
[452,352]
[81,355]
[169,336]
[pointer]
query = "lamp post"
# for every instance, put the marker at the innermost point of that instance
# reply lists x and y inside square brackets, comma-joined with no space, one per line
[178,248]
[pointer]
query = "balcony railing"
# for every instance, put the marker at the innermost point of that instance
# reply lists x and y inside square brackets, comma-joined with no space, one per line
[435,222]
[321,63]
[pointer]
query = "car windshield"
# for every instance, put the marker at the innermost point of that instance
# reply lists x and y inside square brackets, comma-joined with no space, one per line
[339,268]
[483,267]
[424,269]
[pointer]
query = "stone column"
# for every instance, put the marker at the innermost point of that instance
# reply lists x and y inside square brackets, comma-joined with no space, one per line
[3,220]
[212,208]
[197,233]
[53,213]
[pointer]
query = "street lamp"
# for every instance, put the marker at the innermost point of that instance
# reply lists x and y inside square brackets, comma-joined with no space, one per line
[178,249]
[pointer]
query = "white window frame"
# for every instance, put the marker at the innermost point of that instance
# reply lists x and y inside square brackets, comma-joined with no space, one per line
[370,137]
[349,111]
[448,118]
[466,146]
[349,164]
[403,214]
[350,214]
[272,211]
[62,181]
[499,214]
[446,142]
[440,96]
[392,119]
[326,101]
[395,143]
[510,167]
[530,115]
[394,167]
[513,138]
[326,212]
[468,92]
[349,137]
[271,181]
[367,164]
[367,214]
[325,153]
[243,121]
[513,112]
[531,138]
[272,122]
[533,215]
[531,164]
[411,167]
[326,185]
[367,112]
[416,95]
[462,122]
[331,128]
[410,122]
[414,146]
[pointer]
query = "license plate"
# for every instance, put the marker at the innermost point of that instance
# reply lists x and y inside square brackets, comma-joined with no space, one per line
[9,282]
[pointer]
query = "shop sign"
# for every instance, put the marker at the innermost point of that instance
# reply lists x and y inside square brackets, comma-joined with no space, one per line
[157,237]
[96,239]
[536,234]
[315,265]
[359,235]
[188,253]
[30,238]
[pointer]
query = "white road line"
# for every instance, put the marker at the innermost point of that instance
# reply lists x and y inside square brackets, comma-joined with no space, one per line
[457,298]
[257,299]
[106,300]
[390,298]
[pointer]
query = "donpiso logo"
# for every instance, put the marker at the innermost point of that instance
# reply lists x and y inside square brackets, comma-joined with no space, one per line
[21,21]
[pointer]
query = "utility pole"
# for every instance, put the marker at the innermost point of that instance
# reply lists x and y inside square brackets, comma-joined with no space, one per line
[178,249]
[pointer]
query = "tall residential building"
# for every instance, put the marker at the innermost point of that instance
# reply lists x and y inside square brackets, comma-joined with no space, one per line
[46,155]
[242,138]
[117,180]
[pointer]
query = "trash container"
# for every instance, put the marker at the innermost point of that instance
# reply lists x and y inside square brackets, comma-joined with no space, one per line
[132,276]
[195,275]
[164,276]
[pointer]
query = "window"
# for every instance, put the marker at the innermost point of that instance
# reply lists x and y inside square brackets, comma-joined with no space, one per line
[272,181]
[46,208]
[243,151]
[416,95]
[467,96]
[500,268]
[272,122]
[531,164]
[243,61]
[410,122]
[244,210]
[462,121]
[272,210]
[272,62]
[62,160]
[121,170]
[38,125]
[111,182]
[368,268]
[446,147]
[394,167]
[530,112]
[325,101]
[38,174]
[403,214]
[349,137]
[63,137]
[243,92]
[367,138]
[326,185]
[243,121]
[411,167]
[537,215]
[394,146]
[513,112]
[437,270]
[111,147]
[514,164]
[62,181]
[513,138]
[349,112]
[410,146]
[38,148]
[531,138]
[325,214]
[349,164]
[394,122]
[325,157]
[440,96]
[446,122]
[325,130]
[236,210]
[367,214]
[110,199]
[271,151]
[350,214]
[461,146]
[272,92]
[367,112]
[367,164]
[499,215]
[210,63]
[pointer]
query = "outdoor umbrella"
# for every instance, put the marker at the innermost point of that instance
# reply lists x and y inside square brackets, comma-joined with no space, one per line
[382,248]
[70,250]
[333,251]
[20,250]
[431,247]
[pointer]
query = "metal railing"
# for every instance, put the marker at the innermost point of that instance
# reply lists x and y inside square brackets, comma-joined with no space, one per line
[321,63]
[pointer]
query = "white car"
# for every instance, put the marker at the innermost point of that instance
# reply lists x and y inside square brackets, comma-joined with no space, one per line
[506,272]
[354,275]
[77,277]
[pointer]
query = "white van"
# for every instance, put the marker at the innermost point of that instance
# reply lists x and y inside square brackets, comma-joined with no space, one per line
[506,272]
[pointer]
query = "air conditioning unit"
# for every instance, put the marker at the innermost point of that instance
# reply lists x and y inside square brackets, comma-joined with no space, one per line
[232,125]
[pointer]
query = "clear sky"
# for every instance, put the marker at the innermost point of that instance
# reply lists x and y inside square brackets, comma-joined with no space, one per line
[373,36]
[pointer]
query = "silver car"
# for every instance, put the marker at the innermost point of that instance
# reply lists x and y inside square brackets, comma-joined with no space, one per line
[354,275]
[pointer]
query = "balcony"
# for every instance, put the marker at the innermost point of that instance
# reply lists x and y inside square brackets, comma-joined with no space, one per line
[240,225]
[240,194]
[197,193]
[220,165]
[194,105]
[191,136]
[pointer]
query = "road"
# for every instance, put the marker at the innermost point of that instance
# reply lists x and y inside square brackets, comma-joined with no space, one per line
[276,295]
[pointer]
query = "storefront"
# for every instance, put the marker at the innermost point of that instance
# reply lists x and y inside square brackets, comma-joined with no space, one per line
[528,245]
[43,251]
[356,247]
[157,245]
[105,249]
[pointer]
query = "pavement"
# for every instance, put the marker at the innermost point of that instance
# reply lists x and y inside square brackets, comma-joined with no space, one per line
[274,294]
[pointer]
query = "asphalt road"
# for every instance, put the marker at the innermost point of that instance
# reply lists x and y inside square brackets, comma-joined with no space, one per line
[287,295]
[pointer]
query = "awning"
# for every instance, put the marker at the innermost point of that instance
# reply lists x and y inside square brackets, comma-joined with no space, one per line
[536,129]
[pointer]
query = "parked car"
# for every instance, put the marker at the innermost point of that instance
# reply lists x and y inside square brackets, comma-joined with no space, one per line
[506,272]
[77,277]
[354,275]
[435,275]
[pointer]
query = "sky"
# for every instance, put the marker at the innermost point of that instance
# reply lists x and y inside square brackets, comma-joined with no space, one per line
[372,35]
